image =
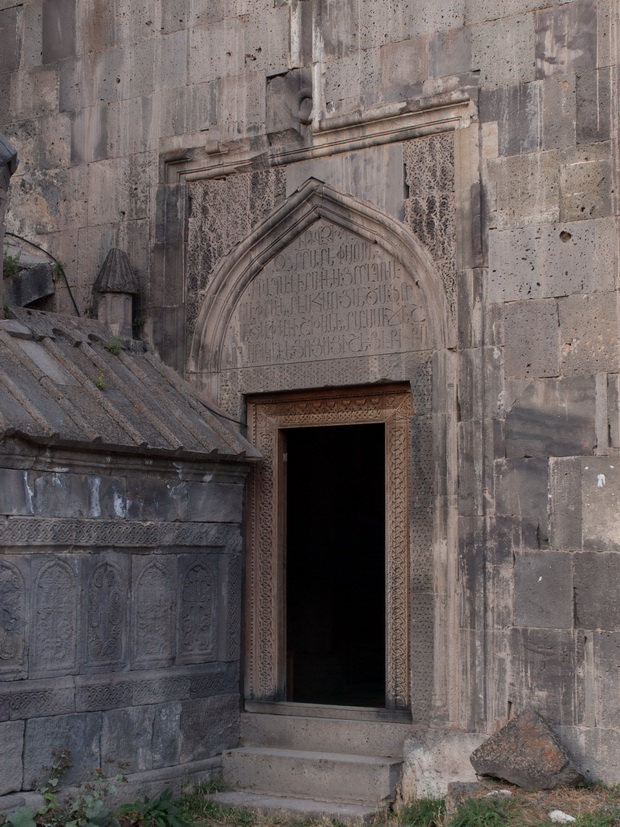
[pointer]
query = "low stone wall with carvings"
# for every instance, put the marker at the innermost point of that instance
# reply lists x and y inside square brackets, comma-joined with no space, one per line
[120,596]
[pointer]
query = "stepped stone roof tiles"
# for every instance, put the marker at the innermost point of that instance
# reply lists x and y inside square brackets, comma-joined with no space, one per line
[65,381]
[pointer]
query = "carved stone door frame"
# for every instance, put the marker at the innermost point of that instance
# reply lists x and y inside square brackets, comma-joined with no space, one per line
[268,416]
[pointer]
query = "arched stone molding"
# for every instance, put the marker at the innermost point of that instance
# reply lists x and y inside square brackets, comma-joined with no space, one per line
[428,368]
[315,200]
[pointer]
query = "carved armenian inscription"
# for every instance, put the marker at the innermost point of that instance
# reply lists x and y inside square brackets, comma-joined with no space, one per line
[329,295]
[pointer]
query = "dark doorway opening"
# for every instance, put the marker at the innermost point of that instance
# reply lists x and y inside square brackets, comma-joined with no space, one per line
[335,565]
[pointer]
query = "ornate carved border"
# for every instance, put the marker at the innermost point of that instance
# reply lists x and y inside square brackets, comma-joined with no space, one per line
[267,417]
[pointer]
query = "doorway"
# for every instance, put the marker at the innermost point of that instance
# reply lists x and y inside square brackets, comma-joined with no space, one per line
[335,565]
[327,572]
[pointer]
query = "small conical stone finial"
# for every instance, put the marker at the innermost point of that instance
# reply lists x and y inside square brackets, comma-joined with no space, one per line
[116,284]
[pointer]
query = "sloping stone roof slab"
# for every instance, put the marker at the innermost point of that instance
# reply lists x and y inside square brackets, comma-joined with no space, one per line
[66,381]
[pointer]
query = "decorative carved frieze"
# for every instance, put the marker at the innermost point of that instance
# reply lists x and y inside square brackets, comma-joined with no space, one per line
[30,531]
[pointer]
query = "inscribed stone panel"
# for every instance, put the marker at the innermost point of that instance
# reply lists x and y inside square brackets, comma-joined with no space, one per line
[329,294]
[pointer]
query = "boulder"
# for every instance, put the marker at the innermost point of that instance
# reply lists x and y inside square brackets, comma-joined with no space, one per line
[526,752]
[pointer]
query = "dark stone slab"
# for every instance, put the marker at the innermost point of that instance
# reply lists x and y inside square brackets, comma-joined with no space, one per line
[16,495]
[547,669]
[553,418]
[518,111]
[80,733]
[565,518]
[126,735]
[597,575]
[29,285]
[521,492]
[208,726]
[527,753]
[9,54]
[566,38]
[543,589]
[58,29]
[593,96]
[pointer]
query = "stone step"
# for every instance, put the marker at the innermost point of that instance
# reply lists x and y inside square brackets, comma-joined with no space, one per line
[298,808]
[324,776]
[324,734]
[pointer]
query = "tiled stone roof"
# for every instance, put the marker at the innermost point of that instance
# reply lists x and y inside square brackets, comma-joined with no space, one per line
[64,381]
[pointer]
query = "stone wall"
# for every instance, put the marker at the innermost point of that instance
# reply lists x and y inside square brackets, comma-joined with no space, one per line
[120,582]
[488,134]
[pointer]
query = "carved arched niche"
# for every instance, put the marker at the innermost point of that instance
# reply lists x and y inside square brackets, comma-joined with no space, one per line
[331,293]
[327,291]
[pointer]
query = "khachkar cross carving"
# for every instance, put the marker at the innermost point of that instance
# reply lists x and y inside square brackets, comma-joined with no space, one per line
[105,615]
[56,610]
[198,613]
[11,618]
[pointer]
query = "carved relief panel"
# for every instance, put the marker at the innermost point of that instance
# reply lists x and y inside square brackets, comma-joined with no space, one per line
[391,405]
[55,615]
[197,613]
[106,607]
[153,614]
[12,619]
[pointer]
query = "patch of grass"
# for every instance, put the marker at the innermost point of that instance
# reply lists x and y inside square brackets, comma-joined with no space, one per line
[603,817]
[115,346]
[423,812]
[101,382]
[11,265]
[481,812]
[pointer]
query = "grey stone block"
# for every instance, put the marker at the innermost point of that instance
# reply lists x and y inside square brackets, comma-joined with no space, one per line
[544,261]
[151,498]
[126,736]
[29,285]
[107,497]
[589,333]
[543,590]
[403,66]
[11,767]
[596,600]
[593,108]
[600,496]
[80,733]
[553,418]
[508,535]
[16,493]
[60,494]
[559,111]
[518,112]
[208,726]
[471,570]
[502,51]
[565,504]
[566,38]
[166,728]
[546,673]
[606,665]
[449,52]
[470,465]
[526,190]
[9,56]
[613,405]
[59,40]
[532,337]
[89,134]
[586,187]
[214,502]
[521,490]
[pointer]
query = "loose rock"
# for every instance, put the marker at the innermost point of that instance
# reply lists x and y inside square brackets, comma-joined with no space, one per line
[526,752]
[561,818]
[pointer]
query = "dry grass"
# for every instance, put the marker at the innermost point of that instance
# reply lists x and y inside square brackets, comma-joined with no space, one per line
[592,806]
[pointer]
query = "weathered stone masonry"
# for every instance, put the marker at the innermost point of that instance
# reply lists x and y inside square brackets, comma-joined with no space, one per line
[473,144]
